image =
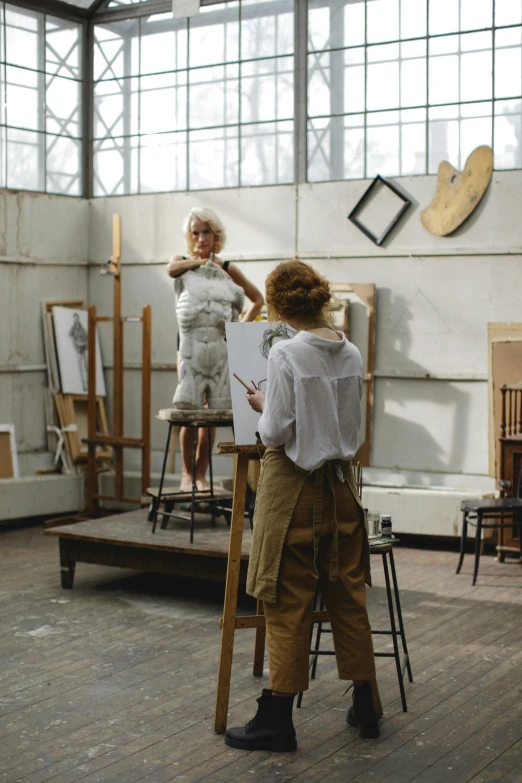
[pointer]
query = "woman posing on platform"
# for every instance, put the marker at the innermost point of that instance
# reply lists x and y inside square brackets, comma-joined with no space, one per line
[309,524]
[205,237]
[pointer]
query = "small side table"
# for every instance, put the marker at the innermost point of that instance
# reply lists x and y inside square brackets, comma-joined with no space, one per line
[195,419]
[476,511]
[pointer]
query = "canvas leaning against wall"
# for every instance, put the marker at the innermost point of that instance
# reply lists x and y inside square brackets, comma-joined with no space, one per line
[70,330]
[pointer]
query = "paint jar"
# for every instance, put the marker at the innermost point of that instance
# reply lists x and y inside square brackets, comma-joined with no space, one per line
[373,519]
[386,525]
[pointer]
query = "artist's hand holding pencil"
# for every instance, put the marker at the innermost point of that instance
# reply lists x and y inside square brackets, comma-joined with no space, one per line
[255,397]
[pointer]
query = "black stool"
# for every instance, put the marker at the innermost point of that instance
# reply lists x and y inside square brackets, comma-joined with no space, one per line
[476,511]
[213,497]
[385,549]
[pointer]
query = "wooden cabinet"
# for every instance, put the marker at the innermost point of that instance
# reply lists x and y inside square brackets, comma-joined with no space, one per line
[510,468]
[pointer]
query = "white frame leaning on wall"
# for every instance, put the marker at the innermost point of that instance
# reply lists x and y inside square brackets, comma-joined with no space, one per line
[304,136]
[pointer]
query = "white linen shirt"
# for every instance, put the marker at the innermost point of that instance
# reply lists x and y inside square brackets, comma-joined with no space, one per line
[312,403]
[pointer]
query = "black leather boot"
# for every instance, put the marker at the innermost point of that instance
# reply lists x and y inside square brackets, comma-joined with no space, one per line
[361,714]
[272,727]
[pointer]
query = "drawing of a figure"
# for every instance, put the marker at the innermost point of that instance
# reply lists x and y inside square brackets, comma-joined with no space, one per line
[78,335]
[271,336]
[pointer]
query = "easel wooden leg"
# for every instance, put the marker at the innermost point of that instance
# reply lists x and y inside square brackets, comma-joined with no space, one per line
[259,650]
[231,589]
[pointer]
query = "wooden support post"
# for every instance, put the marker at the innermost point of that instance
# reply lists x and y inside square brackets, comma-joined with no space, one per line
[92,476]
[145,397]
[117,404]
[231,589]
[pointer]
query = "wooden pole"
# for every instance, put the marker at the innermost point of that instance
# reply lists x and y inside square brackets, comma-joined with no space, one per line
[92,479]
[117,404]
[231,589]
[145,397]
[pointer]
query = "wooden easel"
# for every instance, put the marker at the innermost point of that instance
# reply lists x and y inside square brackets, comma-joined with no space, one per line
[230,621]
[117,441]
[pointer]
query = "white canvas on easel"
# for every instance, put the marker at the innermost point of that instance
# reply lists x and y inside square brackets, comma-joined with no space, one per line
[70,331]
[248,345]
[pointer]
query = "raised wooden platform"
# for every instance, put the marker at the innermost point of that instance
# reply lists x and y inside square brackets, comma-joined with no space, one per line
[126,540]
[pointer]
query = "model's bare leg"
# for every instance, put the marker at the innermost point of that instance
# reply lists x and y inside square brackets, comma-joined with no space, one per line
[186,440]
[203,457]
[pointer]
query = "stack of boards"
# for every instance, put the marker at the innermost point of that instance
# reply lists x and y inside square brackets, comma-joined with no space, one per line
[65,340]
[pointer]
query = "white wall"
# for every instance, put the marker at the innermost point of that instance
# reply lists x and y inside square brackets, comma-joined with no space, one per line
[435,298]
[43,255]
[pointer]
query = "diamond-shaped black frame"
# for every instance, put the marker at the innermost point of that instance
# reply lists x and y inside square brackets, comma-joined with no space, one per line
[379,181]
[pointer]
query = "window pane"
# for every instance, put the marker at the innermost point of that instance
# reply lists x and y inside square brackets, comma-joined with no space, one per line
[62,106]
[63,166]
[163,44]
[443,137]
[163,102]
[22,28]
[413,142]
[163,162]
[508,12]
[24,91]
[443,75]
[474,132]
[62,47]
[475,14]
[25,154]
[335,23]
[508,135]
[116,108]
[2,157]
[267,90]
[444,16]
[213,159]
[382,20]
[476,66]
[267,28]
[214,98]
[336,148]
[508,63]
[115,166]
[336,82]
[214,35]
[382,144]
[383,77]
[413,18]
[116,49]
[413,73]
[267,153]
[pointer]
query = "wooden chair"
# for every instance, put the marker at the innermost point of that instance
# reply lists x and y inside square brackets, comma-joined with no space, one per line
[497,510]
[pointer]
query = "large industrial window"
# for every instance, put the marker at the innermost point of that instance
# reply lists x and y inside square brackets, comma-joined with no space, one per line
[40,92]
[396,86]
[206,102]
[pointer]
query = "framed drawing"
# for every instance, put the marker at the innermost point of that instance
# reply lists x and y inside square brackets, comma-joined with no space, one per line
[70,331]
[379,210]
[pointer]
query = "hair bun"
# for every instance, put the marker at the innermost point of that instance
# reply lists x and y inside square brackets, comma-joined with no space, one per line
[296,290]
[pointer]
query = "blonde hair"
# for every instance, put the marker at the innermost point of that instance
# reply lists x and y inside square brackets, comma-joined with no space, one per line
[208,216]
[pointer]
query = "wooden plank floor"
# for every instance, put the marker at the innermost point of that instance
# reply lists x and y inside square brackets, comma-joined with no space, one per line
[114,681]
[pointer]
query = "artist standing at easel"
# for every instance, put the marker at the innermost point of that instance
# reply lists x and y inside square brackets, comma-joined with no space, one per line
[205,237]
[308,524]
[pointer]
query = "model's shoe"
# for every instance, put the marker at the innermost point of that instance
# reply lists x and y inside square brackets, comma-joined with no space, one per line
[361,714]
[272,727]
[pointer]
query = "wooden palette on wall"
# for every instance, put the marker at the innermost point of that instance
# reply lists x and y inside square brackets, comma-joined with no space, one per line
[458,192]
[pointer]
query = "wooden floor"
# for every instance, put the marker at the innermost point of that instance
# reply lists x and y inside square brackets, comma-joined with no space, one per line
[114,681]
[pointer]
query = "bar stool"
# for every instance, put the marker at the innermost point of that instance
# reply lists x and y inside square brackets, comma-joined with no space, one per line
[383,547]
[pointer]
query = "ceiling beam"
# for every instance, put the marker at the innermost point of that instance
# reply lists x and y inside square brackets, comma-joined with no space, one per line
[98,5]
[54,7]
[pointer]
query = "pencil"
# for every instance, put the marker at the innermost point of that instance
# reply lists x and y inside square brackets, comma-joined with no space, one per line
[241,381]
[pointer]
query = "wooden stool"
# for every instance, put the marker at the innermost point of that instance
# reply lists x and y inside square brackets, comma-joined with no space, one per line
[201,419]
